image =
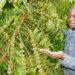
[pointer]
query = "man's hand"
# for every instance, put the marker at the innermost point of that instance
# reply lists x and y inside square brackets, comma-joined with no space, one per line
[58,55]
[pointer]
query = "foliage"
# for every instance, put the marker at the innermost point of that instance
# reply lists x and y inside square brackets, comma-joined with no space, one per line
[26,26]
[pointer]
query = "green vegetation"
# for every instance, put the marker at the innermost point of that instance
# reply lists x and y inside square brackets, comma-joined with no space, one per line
[26,26]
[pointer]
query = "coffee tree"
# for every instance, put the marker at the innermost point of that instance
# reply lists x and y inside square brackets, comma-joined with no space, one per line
[25,27]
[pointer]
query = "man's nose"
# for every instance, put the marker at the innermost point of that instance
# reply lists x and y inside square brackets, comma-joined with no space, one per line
[71,18]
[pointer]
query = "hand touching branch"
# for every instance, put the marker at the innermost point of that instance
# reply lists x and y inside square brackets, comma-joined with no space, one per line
[58,55]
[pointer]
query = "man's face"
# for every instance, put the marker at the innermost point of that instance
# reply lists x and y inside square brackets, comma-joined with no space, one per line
[71,18]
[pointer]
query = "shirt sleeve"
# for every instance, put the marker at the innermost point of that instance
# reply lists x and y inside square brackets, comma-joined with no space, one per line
[68,62]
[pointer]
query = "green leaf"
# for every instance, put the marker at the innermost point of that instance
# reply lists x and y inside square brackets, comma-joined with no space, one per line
[2,3]
[32,71]
[44,42]
[50,26]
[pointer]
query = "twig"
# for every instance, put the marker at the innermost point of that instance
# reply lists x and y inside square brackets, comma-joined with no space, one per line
[12,41]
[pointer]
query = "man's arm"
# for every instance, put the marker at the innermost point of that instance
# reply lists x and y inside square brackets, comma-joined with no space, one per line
[65,60]
[68,62]
[56,55]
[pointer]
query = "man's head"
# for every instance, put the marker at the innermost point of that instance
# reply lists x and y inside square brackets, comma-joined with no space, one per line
[71,17]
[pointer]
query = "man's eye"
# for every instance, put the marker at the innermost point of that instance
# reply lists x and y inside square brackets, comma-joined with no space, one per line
[73,16]
[69,16]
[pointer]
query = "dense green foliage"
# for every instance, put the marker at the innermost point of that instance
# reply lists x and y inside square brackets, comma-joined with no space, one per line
[26,26]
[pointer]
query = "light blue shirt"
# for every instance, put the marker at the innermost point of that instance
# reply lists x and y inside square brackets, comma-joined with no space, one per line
[69,50]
